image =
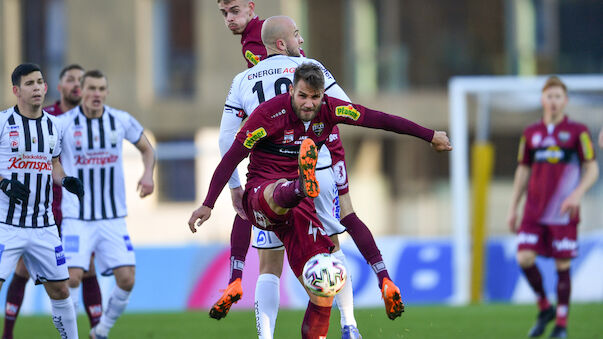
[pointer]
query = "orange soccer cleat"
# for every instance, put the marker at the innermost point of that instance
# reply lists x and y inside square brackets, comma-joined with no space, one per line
[392,299]
[308,156]
[232,294]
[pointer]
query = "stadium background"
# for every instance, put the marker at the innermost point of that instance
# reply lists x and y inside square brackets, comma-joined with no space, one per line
[170,64]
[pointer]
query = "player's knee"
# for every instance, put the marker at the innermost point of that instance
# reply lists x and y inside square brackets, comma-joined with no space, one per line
[75,277]
[271,262]
[526,258]
[125,278]
[57,290]
[563,264]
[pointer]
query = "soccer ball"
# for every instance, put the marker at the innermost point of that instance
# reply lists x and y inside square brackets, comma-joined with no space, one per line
[324,275]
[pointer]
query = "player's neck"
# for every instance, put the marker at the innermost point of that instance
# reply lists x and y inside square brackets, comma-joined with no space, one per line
[30,111]
[65,106]
[91,113]
[552,119]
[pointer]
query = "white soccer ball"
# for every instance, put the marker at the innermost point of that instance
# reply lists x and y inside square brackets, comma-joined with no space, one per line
[324,275]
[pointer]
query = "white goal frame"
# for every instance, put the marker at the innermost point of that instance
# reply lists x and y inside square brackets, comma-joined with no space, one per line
[458,89]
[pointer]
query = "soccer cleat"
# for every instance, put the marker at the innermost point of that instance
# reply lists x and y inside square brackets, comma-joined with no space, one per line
[308,156]
[544,317]
[559,332]
[232,294]
[392,299]
[350,332]
[94,335]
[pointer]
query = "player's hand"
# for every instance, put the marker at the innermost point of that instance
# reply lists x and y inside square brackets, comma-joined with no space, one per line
[15,190]
[571,205]
[73,185]
[512,221]
[202,214]
[440,142]
[145,186]
[237,201]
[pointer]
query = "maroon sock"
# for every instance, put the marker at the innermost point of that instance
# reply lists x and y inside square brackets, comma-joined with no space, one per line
[93,302]
[365,242]
[316,322]
[534,278]
[240,237]
[288,194]
[14,299]
[564,288]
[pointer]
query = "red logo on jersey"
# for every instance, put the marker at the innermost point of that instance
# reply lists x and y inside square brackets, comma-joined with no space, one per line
[13,133]
[39,165]
[96,159]
[288,137]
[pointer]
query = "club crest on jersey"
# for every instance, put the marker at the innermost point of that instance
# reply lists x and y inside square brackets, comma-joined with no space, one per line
[254,59]
[288,137]
[254,137]
[347,111]
[536,139]
[564,136]
[317,128]
[52,140]
[113,136]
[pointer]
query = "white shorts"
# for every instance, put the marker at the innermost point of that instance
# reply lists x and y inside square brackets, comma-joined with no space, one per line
[327,208]
[41,249]
[107,239]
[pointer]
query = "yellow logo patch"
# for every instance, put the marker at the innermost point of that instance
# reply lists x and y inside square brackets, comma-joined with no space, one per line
[254,137]
[587,146]
[254,59]
[347,111]
[522,145]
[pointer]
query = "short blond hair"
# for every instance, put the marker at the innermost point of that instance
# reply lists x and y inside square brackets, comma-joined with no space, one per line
[554,81]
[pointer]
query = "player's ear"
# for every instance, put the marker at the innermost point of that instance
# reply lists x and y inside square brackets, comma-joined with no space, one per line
[291,90]
[251,5]
[16,91]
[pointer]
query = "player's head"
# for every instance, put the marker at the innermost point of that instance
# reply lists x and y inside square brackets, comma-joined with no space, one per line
[237,14]
[70,84]
[280,35]
[307,91]
[28,84]
[94,90]
[554,97]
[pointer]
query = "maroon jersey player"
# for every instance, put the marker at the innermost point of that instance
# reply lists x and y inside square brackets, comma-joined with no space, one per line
[556,168]
[275,194]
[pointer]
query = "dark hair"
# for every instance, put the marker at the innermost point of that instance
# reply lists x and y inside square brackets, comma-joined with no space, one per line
[69,68]
[311,74]
[554,81]
[95,73]
[22,70]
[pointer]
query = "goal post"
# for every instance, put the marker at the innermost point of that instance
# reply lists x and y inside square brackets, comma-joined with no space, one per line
[468,264]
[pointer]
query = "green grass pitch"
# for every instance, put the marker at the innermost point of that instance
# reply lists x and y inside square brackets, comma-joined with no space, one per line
[480,321]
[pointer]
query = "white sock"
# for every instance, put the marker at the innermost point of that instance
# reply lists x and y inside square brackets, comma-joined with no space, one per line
[74,293]
[345,298]
[267,298]
[63,317]
[115,307]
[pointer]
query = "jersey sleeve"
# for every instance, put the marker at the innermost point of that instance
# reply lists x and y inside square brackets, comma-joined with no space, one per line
[253,52]
[338,161]
[255,129]
[585,147]
[132,129]
[524,154]
[57,137]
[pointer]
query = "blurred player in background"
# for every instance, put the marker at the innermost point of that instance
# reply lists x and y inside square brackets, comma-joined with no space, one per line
[29,165]
[556,167]
[70,95]
[601,139]
[281,205]
[93,134]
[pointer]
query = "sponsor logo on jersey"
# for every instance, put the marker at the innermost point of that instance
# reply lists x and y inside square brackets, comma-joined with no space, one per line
[95,159]
[13,138]
[1,250]
[281,112]
[128,243]
[333,137]
[13,133]
[288,137]
[551,155]
[241,114]
[564,136]
[317,128]
[565,244]
[72,243]
[262,238]
[32,162]
[254,137]
[536,139]
[254,59]
[261,219]
[527,238]
[347,111]
[59,255]
[271,71]
[339,173]
[587,146]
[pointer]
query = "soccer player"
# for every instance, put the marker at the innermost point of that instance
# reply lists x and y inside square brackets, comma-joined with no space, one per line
[601,139]
[70,95]
[29,164]
[556,167]
[93,134]
[240,18]
[275,196]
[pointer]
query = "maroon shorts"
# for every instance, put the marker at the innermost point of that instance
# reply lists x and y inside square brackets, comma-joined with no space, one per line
[557,241]
[299,230]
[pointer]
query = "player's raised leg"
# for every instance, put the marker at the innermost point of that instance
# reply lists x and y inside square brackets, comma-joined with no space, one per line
[14,298]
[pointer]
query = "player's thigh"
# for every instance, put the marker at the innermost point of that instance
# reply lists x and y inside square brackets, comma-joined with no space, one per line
[327,203]
[79,239]
[114,248]
[12,241]
[21,270]
[44,255]
[271,261]
[564,243]
[532,239]
[264,239]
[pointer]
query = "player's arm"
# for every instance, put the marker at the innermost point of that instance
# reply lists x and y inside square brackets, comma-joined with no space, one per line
[146,183]
[520,183]
[14,189]
[601,139]
[231,121]
[71,184]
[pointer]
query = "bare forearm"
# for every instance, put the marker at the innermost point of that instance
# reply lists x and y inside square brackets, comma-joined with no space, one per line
[520,182]
[590,174]
[58,173]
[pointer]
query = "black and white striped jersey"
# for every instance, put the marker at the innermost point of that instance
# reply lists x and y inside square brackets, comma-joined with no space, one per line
[27,147]
[92,152]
